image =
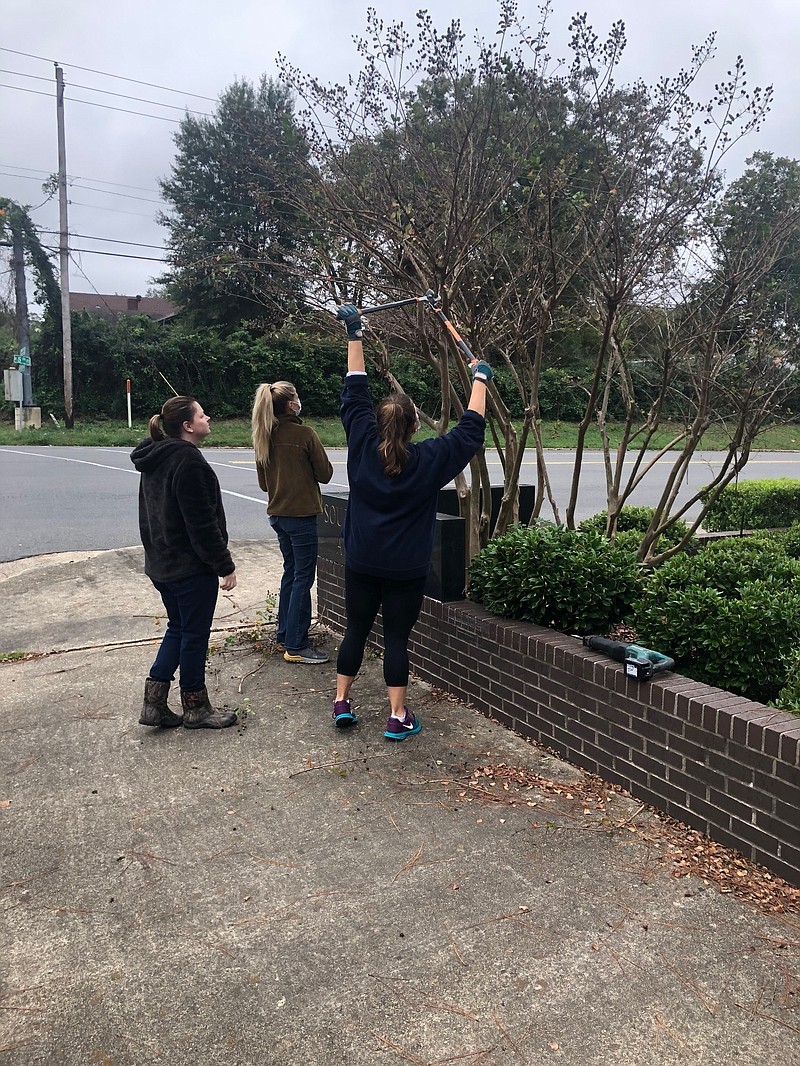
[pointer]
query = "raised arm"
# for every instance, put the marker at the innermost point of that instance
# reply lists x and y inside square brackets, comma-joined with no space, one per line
[481,371]
[348,313]
[481,376]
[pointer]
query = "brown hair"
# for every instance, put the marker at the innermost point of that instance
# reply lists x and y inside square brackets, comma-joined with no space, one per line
[271,401]
[397,420]
[169,421]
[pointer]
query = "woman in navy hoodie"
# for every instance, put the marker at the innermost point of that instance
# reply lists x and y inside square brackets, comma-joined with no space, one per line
[390,522]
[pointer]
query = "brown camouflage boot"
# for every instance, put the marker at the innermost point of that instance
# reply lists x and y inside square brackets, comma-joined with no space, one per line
[199,714]
[155,711]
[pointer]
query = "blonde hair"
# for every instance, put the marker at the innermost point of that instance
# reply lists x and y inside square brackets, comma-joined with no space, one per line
[397,420]
[270,402]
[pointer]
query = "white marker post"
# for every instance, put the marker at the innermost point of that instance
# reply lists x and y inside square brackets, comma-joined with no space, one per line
[128,393]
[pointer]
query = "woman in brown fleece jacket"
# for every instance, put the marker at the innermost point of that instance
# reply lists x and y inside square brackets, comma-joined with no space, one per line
[291,464]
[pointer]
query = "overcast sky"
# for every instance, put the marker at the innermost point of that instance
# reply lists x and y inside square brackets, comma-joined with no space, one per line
[200,46]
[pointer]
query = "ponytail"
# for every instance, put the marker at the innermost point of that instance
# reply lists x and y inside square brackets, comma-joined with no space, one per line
[270,402]
[397,420]
[169,421]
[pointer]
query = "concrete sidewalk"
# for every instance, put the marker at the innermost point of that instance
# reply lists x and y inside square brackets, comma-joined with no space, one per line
[283,893]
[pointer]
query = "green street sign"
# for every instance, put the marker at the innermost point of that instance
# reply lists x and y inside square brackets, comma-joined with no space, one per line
[22,360]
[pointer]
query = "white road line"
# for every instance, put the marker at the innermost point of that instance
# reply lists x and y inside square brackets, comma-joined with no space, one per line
[241,496]
[66,459]
[125,470]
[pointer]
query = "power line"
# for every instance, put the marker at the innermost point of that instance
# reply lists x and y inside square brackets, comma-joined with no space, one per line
[22,89]
[105,74]
[73,184]
[116,210]
[86,276]
[19,74]
[108,192]
[139,99]
[79,177]
[123,110]
[107,240]
[114,255]
[108,92]
[92,103]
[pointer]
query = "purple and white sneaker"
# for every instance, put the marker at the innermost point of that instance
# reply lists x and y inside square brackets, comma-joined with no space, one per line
[400,728]
[343,714]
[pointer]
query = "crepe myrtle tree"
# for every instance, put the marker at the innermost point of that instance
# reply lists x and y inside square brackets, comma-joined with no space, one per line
[727,348]
[532,201]
[666,278]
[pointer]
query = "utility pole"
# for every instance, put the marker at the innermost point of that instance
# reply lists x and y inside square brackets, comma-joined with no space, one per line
[63,250]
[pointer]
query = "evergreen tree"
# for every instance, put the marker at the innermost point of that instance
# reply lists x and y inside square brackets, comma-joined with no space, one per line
[234,237]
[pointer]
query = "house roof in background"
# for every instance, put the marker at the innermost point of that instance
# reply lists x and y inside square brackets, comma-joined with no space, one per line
[108,306]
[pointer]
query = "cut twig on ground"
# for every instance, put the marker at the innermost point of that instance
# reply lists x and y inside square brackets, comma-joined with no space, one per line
[409,865]
[337,762]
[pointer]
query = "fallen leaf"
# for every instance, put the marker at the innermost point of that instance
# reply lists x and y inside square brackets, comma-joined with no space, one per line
[5,803]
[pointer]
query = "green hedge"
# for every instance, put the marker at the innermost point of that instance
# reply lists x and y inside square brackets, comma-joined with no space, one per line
[574,582]
[632,524]
[788,698]
[729,615]
[767,504]
[222,369]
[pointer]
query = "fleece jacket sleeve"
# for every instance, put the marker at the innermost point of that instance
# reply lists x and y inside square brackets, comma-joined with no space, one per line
[320,463]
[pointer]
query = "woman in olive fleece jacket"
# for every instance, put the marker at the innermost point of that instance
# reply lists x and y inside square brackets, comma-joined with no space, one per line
[290,464]
[185,538]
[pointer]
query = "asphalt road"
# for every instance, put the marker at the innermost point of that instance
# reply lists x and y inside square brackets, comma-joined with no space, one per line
[78,499]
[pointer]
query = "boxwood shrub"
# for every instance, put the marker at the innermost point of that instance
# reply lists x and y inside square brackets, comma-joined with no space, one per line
[729,615]
[574,582]
[636,520]
[767,504]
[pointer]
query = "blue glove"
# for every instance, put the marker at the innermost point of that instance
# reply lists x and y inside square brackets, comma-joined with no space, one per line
[348,313]
[481,371]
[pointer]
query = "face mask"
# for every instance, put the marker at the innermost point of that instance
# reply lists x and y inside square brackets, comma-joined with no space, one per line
[299,406]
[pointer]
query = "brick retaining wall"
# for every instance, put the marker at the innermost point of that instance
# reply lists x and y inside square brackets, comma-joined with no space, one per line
[720,763]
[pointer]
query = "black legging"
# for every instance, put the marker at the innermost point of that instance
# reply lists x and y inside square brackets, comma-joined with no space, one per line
[401,600]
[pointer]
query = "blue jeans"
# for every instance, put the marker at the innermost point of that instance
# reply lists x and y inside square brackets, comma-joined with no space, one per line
[190,605]
[297,538]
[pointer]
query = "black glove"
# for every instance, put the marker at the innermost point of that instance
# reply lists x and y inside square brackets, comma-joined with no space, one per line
[481,371]
[348,313]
